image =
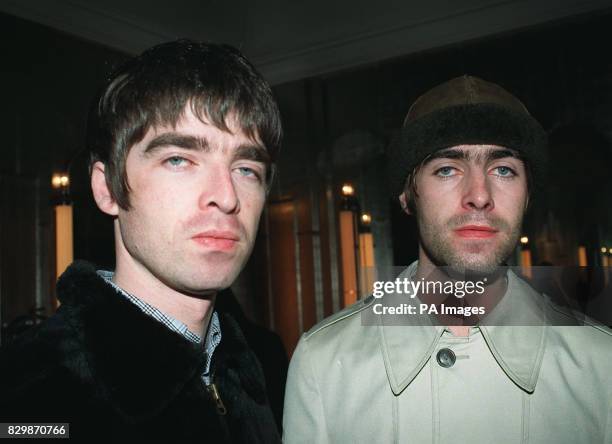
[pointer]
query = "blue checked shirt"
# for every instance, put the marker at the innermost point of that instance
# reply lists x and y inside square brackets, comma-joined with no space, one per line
[213,337]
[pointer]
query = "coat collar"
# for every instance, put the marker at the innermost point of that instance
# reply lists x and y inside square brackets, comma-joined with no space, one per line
[515,334]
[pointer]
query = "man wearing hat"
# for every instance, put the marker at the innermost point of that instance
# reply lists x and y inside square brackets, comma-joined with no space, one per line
[467,162]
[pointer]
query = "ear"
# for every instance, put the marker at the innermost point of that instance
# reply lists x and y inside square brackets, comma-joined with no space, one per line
[403,199]
[101,192]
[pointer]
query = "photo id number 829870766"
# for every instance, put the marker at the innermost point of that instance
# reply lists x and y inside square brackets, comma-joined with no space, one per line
[34,430]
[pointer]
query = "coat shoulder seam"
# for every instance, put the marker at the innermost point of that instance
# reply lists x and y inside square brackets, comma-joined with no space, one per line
[340,316]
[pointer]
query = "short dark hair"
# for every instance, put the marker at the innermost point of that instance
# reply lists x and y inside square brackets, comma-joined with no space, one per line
[154,88]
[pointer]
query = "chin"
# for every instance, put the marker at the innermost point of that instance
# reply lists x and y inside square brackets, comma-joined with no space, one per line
[477,269]
[213,285]
[203,283]
[478,266]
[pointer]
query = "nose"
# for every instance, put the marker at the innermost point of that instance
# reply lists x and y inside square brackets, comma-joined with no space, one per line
[218,191]
[477,192]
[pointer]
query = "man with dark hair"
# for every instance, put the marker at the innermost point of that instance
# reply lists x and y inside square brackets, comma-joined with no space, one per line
[410,364]
[183,140]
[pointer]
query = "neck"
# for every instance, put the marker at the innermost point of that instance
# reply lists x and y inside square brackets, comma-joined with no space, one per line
[459,330]
[494,290]
[192,310]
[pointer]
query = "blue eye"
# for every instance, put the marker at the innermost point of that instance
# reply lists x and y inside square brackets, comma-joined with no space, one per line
[176,161]
[445,171]
[504,171]
[246,171]
[249,173]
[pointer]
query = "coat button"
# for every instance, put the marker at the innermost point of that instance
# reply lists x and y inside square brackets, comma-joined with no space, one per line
[446,357]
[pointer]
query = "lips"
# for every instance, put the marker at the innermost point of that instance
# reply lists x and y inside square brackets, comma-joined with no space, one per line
[476,231]
[217,240]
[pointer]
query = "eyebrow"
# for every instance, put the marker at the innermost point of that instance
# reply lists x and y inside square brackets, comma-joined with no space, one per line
[486,156]
[177,140]
[254,152]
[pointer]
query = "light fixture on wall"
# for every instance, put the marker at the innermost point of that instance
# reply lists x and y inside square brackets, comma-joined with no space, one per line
[348,190]
[60,181]
[349,208]
[64,250]
[525,257]
[605,257]
[367,263]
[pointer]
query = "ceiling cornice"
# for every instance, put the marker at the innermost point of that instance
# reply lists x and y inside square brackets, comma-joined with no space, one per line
[325,52]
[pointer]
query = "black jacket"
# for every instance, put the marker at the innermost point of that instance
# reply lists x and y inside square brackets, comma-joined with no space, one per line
[110,370]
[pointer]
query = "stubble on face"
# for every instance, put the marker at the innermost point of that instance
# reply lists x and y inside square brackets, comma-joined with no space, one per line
[476,258]
[446,204]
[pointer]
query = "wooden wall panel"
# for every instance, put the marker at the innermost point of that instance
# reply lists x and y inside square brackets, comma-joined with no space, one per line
[306,263]
[325,256]
[283,273]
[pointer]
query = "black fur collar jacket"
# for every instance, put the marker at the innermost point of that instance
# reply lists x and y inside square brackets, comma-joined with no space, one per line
[113,372]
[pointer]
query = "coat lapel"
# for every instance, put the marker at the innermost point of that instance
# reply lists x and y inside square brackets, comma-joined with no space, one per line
[516,332]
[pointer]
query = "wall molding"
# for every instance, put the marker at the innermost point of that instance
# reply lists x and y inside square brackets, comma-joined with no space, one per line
[323,52]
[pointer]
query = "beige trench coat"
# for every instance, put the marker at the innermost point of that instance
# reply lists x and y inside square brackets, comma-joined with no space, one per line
[350,383]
